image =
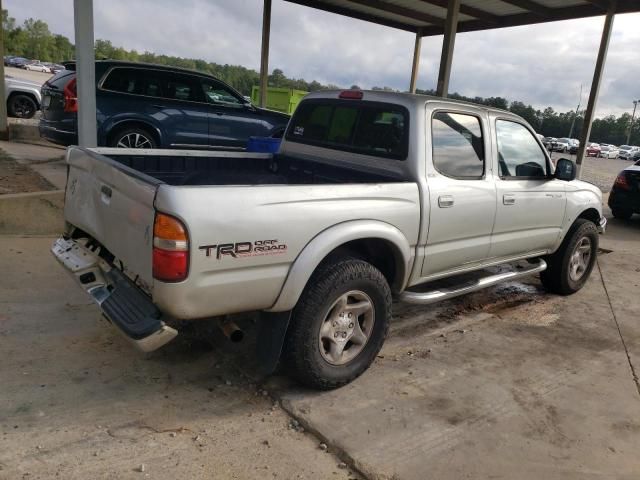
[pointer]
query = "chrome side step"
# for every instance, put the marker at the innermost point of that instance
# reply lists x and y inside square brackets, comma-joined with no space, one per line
[425,298]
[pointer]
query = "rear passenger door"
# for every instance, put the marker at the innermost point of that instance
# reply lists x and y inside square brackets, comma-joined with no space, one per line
[462,197]
[172,102]
[531,202]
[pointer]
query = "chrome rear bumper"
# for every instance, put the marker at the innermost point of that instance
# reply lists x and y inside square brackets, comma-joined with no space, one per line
[121,301]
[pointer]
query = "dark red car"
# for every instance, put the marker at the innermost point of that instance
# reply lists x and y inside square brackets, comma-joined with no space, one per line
[593,150]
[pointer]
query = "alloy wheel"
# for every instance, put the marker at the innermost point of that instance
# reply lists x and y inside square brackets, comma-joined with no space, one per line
[23,108]
[346,328]
[134,140]
[580,258]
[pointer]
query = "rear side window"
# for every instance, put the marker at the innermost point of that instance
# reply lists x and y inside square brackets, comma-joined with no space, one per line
[458,147]
[368,128]
[60,79]
[181,87]
[153,83]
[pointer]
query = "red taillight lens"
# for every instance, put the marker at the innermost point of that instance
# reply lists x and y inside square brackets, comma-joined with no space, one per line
[351,94]
[170,266]
[621,182]
[170,249]
[70,96]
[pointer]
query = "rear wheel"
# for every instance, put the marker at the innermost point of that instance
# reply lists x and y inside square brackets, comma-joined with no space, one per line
[622,213]
[133,138]
[570,266]
[339,324]
[21,106]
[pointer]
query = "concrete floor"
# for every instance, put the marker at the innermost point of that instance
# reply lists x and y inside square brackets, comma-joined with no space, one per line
[506,383]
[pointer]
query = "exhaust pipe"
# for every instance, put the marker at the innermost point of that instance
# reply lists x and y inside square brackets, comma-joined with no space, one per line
[231,330]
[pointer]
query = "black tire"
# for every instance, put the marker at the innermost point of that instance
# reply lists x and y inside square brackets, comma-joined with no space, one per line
[557,278]
[130,137]
[622,213]
[21,106]
[329,283]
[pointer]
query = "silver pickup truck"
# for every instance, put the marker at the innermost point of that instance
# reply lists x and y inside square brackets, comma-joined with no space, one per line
[370,195]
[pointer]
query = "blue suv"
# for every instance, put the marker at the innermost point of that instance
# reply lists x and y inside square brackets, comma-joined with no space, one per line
[153,106]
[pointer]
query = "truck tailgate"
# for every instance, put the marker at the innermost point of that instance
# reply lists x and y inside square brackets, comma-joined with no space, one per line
[113,204]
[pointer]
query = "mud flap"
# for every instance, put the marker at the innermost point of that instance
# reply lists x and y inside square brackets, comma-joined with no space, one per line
[271,335]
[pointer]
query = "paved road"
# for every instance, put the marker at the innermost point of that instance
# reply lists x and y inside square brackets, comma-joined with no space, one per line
[37,77]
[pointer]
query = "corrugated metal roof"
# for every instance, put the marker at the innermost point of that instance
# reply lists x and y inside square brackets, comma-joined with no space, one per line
[428,16]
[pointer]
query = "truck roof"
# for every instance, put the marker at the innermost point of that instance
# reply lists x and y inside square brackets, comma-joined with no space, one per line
[409,100]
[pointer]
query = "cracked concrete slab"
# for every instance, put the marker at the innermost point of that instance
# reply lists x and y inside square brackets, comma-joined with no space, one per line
[539,389]
[78,402]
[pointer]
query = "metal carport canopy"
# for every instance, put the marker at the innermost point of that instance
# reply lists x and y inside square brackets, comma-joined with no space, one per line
[427,17]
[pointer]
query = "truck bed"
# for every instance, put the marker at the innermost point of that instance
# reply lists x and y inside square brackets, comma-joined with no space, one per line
[177,167]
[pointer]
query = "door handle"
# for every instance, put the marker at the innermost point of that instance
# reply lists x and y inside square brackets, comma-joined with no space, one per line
[508,199]
[554,195]
[155,105]
[445,201]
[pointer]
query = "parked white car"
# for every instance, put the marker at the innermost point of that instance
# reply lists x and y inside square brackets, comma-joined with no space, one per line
[608,151]
[38,67]
[627,151]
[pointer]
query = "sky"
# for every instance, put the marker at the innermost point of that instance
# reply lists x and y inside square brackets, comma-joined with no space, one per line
[542,65]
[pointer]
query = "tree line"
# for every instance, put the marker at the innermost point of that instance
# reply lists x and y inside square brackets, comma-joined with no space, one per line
[33,40]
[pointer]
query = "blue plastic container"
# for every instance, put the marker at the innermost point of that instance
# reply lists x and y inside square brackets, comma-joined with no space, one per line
[263,144]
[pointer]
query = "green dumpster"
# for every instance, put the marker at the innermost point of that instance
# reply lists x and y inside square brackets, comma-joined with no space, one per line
[281,99]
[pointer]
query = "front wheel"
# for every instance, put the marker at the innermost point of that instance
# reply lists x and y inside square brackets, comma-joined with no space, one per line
[339,324]
[570,266]
[21,106]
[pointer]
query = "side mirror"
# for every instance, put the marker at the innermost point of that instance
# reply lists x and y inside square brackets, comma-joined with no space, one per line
[565,170]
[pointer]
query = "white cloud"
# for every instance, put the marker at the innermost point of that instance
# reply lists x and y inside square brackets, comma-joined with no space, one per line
[541,64]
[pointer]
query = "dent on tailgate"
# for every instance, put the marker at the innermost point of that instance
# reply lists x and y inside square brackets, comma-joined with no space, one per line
[114,204]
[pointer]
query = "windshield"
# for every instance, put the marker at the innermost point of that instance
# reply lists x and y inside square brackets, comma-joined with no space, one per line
[625,147]
[605,148]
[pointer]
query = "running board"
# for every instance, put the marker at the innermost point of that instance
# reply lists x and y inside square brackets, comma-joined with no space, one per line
[425,298]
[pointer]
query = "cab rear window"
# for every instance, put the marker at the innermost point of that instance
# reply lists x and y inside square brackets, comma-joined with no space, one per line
[368,128]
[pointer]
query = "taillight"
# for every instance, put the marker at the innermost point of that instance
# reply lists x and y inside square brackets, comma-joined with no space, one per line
[170,249]
[621,182]
[70,96]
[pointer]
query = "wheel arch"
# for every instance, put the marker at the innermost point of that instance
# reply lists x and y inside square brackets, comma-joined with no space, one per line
[31,95]
[590,214]
[378,243]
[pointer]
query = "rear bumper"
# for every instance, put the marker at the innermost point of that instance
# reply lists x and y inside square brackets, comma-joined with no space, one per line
[624,199]
[120,300]
[60,134]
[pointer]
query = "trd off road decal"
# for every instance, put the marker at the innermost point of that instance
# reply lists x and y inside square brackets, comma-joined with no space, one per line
[244,249]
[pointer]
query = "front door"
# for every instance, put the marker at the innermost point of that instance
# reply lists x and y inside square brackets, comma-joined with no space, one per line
[531,203]
[232,120]
[462,197]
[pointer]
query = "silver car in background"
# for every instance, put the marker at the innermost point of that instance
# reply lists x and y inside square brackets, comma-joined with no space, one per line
[22,97]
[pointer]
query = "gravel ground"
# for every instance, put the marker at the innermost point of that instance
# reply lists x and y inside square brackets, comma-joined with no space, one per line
[599,171]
